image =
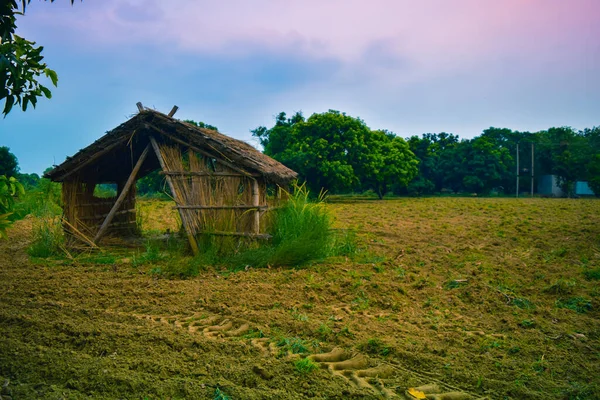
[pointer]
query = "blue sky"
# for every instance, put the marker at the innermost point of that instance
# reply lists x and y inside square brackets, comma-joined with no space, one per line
[409,67]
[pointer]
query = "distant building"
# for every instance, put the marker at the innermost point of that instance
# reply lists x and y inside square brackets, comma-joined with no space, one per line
[583,189]
[548,186]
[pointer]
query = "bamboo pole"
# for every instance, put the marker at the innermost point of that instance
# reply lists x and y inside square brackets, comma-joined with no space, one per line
[256,203]
[122,195]
[184,219]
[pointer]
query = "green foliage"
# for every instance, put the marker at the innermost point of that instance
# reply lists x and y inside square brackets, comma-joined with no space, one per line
[9,188]
[338,153]
[44,199]
[292,345]
[9,166]
[593,168]
[48,237]
[305,366]
[300,232]
[592,274]
[201,124]
[21,63]
[220,395]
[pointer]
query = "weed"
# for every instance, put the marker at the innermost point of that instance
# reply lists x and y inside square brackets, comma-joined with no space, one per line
[523,303]
[305,366]
[375,346]
[294,345]
[561,286]
[592,274]
[527,323]
[220,395]
[455,284]
[150,256]
[48,237]
[298,316]
[324,331]
[578,304]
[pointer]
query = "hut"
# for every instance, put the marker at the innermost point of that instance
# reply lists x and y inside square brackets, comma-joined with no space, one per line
[219,184]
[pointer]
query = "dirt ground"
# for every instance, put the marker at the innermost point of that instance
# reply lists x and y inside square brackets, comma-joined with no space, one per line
[486,298]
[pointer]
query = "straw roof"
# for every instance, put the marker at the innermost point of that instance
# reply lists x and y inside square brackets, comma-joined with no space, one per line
[103,159]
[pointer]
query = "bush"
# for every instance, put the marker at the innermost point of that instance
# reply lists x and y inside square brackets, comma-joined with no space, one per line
[300,234]
[9,188]
[48,238]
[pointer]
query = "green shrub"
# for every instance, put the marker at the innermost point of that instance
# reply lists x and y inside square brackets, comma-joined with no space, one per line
[48,237]
[300,231]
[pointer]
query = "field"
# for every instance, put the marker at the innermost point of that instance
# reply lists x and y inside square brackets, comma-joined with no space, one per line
[492,298]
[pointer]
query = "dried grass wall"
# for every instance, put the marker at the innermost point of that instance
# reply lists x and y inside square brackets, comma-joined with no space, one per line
[86,212]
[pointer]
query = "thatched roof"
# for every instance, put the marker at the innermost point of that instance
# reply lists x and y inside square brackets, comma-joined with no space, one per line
[103,160]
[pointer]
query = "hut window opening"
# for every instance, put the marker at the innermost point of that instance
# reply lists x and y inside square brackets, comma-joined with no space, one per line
[105,190]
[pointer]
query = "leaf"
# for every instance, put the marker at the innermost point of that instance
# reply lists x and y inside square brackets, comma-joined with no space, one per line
[52,75]
[417,394]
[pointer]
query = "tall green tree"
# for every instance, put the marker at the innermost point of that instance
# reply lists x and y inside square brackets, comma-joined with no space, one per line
[9,166]
[337,152]
[387,160]
[21,62]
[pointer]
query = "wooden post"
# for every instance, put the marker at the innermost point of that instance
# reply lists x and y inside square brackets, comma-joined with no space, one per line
[139,106]
[188,231]
[173,111]
[256,203]
[122,195]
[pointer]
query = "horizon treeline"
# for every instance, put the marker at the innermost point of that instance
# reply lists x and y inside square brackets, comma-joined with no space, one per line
[339,153]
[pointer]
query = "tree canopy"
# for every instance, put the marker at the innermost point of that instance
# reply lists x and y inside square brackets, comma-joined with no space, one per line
[338,153]
[21,62]
[9,166]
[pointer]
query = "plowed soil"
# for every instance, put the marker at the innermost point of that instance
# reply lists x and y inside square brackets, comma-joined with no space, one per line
[476,298]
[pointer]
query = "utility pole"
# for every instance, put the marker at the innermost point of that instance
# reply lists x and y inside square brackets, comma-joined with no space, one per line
[532,165]
[517,169]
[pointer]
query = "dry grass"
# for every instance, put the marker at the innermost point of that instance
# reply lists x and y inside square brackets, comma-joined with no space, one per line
[492,296]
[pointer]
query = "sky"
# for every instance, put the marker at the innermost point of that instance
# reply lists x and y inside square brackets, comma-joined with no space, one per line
[408,66]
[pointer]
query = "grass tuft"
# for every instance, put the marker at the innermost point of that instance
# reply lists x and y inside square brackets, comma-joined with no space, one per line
[305,366]
[579,304]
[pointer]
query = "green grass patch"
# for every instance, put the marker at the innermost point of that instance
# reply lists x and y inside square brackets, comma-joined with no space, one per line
[305,366]
[592,274]
[579,304]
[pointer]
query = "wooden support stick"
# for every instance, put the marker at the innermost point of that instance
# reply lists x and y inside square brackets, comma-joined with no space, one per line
[184,221]
[256,203]
[173,111]
[139,106]
[79,235]
[122,195]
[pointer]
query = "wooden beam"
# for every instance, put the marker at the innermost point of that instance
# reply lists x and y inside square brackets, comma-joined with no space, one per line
[244,207]
[256,203]
[197,173]
[184,222]
[197,150]
[173,111]
[139,106]
[122,195]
